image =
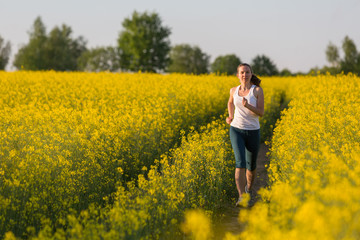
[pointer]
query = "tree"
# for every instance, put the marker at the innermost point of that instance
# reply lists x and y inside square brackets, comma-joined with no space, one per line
[351,62]
[332,55]
[56,51]
[5,49]
[226,64]
[61,51]
[285,72]
[144,44]
[263,66]
[187,59]
[100,59]
[31,56]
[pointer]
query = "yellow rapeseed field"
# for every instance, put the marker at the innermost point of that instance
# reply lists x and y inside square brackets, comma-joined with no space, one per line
[124,156]
[68,139]
[315,170]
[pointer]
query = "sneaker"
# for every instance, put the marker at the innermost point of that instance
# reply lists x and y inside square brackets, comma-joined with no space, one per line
[238,203]
[252,199]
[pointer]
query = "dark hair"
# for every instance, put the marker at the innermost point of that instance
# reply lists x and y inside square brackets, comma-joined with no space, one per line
[254,79]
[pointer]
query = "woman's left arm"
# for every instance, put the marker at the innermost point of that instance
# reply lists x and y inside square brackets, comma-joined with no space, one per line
[259,109]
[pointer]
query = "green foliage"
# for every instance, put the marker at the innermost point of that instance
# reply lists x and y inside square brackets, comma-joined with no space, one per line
[62,51]
[5,49]
[100,59]
[350,62]
[144,43]
[332,55]
[285,73]
[263,66]
[31,56]
[56,51]
[226,64]
[187,59]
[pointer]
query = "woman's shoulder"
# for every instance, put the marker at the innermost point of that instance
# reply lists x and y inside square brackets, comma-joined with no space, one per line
[233,89]
[258,90]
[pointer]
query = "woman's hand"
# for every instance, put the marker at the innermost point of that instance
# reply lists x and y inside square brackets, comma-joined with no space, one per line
[245,102]
[229,120]
[247,105]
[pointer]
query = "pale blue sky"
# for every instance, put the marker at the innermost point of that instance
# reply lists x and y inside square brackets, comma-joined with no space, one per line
[294,34]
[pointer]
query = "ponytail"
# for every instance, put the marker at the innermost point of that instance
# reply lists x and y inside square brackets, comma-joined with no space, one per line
[255,80]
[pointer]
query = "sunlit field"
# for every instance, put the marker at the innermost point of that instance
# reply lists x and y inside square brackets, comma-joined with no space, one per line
[125,156]
[314,170]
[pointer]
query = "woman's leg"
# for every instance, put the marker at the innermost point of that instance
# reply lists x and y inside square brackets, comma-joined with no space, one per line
[250,176]
[240,180]
[252,150]
[237,142]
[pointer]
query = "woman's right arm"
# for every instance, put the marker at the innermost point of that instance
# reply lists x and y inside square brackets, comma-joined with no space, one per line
[231,106]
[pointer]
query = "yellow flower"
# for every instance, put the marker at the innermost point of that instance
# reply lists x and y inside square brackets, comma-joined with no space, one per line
[197,224]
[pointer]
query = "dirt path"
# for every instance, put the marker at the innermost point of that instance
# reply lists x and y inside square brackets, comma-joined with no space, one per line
[230,223]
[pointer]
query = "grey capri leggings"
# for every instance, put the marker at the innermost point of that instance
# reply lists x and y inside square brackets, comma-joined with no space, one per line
[246,144]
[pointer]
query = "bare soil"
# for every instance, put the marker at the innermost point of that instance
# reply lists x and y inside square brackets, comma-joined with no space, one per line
[229,222]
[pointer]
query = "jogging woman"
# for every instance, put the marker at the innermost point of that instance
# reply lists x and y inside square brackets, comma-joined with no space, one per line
[245,106]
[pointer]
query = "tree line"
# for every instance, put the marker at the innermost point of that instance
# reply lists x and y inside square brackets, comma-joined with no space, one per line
[144,45]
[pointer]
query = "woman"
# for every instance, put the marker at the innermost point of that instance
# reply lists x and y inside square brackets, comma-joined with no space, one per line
[245,106]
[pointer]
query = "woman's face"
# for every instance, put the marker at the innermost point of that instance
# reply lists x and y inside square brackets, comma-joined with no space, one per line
[244,73]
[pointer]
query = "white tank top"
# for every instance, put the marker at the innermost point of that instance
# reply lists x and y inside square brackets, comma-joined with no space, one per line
[243,117]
